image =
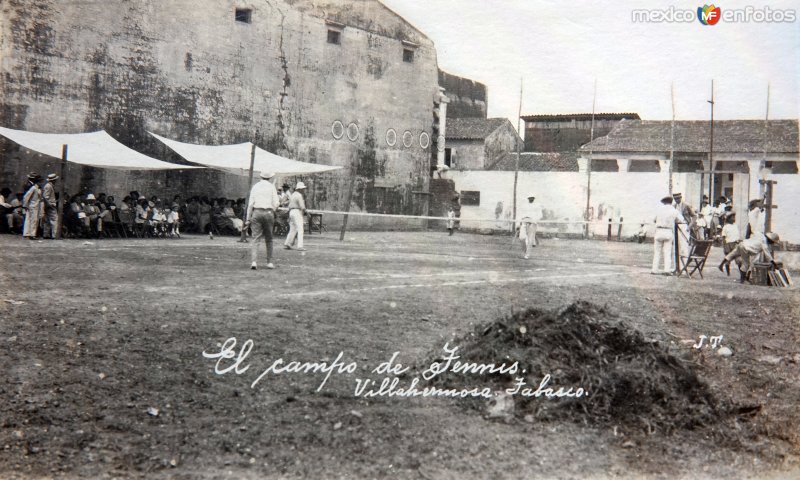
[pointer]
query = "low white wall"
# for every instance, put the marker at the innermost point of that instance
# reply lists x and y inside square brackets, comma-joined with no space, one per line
[632,196]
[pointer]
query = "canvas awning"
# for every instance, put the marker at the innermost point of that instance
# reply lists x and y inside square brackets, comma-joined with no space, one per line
[94,149]
[236,158]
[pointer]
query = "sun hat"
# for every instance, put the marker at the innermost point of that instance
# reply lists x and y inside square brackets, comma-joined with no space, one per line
[299,186]
[267,175]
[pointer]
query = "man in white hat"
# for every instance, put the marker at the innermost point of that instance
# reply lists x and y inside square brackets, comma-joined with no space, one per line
[529,215]
[297,210]
[261,216]
[50,224]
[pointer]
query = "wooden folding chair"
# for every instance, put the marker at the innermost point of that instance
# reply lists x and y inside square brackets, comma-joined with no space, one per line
[696,259]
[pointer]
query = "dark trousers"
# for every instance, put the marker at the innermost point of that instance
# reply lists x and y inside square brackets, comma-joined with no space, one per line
[261,226]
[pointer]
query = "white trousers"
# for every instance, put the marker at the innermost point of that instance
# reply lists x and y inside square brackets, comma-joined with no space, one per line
[663,250]
[295,228]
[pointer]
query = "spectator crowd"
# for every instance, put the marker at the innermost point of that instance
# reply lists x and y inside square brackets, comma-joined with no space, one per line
[33,212]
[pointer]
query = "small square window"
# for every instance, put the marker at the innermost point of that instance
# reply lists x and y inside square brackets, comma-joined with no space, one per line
[334,36]
[244,15]
[408,55]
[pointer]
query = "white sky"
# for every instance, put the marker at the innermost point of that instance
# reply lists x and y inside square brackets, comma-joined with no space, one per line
[559,48]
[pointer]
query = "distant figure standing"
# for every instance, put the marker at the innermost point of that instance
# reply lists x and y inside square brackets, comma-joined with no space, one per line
[297,210]
[529,215]
[457,210]
[32,205]
[687,226]
[261,217]
[666,218]
[50,225]
[451,220]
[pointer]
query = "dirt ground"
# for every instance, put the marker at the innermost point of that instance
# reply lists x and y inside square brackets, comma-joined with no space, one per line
[105,377]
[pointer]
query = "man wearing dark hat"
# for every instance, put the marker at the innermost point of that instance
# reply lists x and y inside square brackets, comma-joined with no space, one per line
[687,226]
[32,206]
[666,218]
[261,216]
[50,224]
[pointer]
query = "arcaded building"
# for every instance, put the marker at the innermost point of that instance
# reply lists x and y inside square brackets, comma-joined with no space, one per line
[344,82]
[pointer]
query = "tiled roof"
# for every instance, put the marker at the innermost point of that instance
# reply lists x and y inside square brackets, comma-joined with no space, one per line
[538,162]
[733,136]
[472,128]
[580,117]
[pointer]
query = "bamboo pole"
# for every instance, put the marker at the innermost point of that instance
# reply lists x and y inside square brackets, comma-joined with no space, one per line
[710,151]
[243,238]
[516,166]
[672,137]
[589,163]
[61,182]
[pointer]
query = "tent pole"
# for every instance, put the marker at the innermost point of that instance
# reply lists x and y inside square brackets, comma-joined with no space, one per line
[349,197]
[61,199]
[243,238]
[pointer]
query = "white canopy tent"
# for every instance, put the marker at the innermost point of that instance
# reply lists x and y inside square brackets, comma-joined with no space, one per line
[94,149]
[236,158]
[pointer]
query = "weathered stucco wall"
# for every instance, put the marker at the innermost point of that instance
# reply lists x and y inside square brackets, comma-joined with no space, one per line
[187,70]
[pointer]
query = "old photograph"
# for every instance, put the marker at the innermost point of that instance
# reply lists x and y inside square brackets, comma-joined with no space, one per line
[407,239]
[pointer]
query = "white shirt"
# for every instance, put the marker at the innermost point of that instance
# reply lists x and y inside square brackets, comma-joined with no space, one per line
[296,201]
[667,216]
[756,220]
[263,195]
[730,233]
[530,212]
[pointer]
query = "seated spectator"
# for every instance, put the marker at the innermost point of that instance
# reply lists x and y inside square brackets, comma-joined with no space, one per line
[8,210]
[92,219]
[75,218]
[142,212]
[222,223]
[191,220]
[14,218]
[173,220]
[229,212]
[641,234]
[204,217]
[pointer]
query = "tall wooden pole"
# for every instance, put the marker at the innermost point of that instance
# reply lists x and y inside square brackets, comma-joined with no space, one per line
[61,182]
[516,166]
[243,238]
[766,185]
[672,136]
[711,150]
[589,164]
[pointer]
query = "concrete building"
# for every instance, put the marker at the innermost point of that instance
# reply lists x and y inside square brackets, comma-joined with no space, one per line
[744,153]
[343,83]
[630,172]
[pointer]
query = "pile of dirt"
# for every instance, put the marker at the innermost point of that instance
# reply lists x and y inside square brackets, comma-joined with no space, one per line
[629,381]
